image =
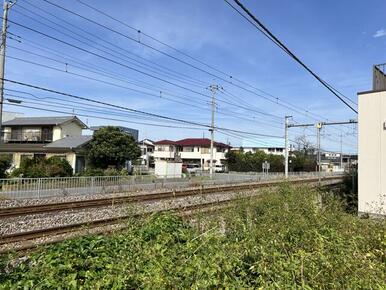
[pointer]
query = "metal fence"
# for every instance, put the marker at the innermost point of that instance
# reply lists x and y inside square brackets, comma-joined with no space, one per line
[23,188]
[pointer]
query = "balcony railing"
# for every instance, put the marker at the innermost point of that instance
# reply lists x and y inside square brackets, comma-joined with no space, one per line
[27,137]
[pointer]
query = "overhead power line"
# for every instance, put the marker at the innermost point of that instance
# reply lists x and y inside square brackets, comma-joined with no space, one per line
[103,118]
[230,79]
[263,29]
[122,54]
[135,110]
[129,67]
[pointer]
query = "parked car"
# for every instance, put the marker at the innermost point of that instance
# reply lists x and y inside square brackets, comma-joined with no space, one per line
[193,168]
[219,168]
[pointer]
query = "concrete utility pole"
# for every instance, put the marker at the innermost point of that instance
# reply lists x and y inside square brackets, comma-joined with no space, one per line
[286,145]
[341,151]
[6,6]
[213,89]
[318,129]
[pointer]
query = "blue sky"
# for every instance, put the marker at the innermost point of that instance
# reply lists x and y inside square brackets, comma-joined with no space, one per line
[340,40]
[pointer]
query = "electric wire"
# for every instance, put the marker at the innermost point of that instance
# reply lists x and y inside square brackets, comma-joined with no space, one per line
[257,24]
[155,49]
[134,110]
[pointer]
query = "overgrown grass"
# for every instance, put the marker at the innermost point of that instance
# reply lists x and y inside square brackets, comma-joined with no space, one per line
[291,238]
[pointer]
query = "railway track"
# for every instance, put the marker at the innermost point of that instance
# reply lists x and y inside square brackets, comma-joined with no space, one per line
[118,200]
[26,239]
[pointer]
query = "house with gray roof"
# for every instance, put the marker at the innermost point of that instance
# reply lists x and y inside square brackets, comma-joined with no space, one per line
[28,137]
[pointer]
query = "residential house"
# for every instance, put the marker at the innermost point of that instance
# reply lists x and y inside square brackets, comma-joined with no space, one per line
[147,152]
[191,151]
[29,137]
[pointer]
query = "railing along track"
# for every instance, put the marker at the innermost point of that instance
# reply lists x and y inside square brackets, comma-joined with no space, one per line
[118,200]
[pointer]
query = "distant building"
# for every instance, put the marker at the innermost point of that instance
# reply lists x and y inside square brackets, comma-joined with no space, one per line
[130,131]
[191,151]
[278,150]
[29,137]
[147,152]
[11,115]
[372,146]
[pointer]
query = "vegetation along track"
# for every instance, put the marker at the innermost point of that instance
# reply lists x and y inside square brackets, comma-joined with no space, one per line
[102,202]
[26,238]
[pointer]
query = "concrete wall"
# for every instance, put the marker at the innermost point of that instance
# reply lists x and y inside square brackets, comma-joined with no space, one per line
[67,129]
[372,153]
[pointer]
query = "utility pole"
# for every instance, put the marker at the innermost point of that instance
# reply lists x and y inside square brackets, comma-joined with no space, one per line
[318,129]
[286,145]
[341,151]
[213,89]
[6,6]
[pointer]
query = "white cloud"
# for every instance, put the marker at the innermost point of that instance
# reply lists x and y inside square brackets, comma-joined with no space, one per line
[380,33]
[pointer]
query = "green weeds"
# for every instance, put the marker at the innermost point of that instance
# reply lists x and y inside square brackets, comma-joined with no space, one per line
[290,238]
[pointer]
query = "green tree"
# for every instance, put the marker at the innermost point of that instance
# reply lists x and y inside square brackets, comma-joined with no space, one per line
[110,146]
[5,164]
[303,161]
[247,161]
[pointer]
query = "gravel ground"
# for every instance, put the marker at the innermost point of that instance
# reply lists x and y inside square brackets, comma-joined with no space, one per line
[39,221]
[5,203]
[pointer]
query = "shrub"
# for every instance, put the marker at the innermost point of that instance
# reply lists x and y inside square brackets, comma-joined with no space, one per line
[291,238]
[5,164]
[42,167]
[91,172]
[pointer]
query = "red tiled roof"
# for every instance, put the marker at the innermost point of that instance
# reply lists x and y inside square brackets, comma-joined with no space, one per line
[203,142]
[165,142]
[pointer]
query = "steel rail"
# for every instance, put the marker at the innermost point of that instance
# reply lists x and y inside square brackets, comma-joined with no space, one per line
[83,227]
[118,200]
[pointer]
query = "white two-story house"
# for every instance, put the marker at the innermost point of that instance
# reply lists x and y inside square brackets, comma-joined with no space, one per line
[191,151]
[28,137]
[147,152]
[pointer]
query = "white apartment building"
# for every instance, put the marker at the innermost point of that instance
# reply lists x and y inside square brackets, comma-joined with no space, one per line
[191,151]
[372,146]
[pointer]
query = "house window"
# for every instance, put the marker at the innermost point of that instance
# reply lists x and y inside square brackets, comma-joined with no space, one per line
[205,150]
[31,134]
[188,149]
[39,155]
